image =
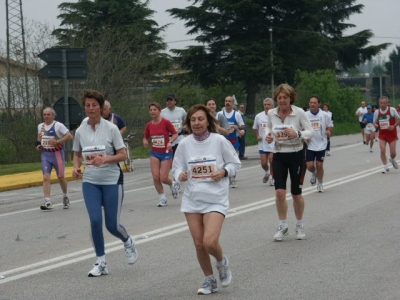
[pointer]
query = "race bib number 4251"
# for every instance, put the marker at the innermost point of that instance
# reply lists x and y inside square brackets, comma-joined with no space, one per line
[201,168]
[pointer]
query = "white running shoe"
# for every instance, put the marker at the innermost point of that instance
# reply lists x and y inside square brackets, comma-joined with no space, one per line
[313,179]
[265,178]
[300,234]
[385,170]
[320,188]
[225,275]
[328,153]
[131,252]
[175,187]
[66,202]
[281,233]
[47,205]
[394,163]
[209,286]
[271,181]
[99,268]
[234,185]
[163,202]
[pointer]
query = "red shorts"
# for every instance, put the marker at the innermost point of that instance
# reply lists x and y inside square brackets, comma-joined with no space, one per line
[388,137]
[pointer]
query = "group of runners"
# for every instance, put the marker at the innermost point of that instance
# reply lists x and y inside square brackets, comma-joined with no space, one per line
[201,149]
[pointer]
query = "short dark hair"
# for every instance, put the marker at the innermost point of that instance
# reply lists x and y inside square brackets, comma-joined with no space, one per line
[212,122]
[94,95]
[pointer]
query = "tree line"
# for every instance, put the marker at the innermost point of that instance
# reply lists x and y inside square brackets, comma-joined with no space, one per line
[240,46]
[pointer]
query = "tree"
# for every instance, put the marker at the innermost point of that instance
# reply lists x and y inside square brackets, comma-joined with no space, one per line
[393,66]
[123,43]
[324,84]
[236,45]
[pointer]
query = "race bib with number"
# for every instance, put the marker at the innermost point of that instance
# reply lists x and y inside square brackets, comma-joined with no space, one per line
[89,153]
[201,168]
[264,126]
[384,124]
[177,125]
[46,141]
[370,126]
[316,124]
[280,134]
[158,141]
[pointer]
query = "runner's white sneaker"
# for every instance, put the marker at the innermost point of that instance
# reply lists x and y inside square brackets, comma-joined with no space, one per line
[328,153]
[281,233]
[163,202]
[320,188]
[313,179]
[265,178]
[131,252]
[271,181]
[394,163]
[300,234]
[66,202]
[175,187]
[225,275]
[99,268]
[234,185]
[385,170]
[209,286]
[47,205]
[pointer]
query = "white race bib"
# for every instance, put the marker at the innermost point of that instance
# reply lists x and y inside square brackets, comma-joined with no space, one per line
[201,168]
[46,141]
[316,124]
[177,125]
[280,134]
[89,153]
[158,141]
[384,124]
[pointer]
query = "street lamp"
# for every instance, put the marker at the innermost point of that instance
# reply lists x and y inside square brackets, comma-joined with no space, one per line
[272,62]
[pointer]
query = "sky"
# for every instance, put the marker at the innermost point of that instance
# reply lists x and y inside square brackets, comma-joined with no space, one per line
[381,16]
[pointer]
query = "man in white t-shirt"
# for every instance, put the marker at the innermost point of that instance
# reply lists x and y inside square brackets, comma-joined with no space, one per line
[177,116]
[266,150]
[360,113]
[315,155]
[235,120]
[51,136]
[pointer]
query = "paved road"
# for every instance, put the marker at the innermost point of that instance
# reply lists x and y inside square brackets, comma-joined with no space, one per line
[351,251]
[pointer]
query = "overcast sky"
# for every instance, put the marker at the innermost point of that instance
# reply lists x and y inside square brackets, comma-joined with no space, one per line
[381,16]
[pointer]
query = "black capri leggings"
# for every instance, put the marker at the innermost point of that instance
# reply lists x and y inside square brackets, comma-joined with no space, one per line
[292,163]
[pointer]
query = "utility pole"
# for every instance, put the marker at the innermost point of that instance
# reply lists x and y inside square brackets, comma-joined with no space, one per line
[16,50]
[272,63]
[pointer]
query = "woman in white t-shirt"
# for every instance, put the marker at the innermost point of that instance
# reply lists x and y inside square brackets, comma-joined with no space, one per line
[99,145]
[204,160]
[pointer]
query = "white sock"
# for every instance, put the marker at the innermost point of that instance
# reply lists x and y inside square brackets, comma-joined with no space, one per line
[65,195]
[267,173]
[210,277]
[283,223]
[222,262]
[129,242]
[101,258]
[162,196]
[299,223]
[47,199]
